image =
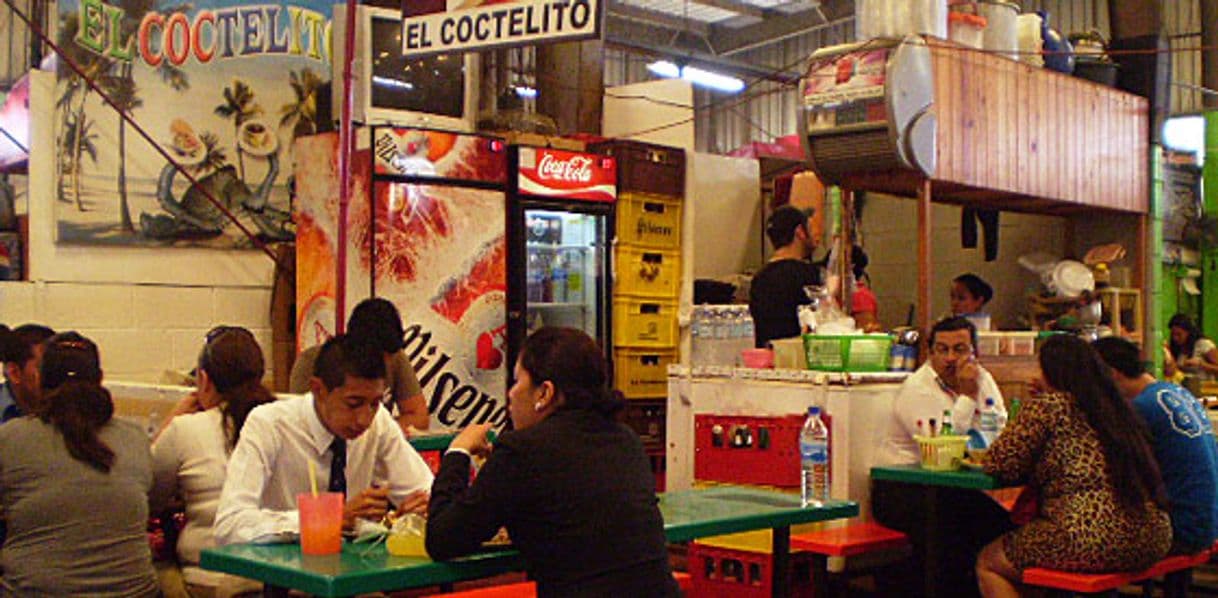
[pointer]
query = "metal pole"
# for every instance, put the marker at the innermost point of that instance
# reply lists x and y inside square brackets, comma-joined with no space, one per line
[346,146]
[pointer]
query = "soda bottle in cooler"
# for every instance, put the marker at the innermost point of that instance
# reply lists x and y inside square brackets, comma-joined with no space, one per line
[814,460]
[558,279]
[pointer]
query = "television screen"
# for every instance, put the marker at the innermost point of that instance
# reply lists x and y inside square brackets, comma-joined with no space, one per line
[432,85]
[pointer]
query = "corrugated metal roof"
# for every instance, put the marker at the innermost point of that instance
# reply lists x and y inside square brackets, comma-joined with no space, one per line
[709,14]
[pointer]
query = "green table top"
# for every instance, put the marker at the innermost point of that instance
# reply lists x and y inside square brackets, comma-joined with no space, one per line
[353,571]
[914,474]
[687,515]
[690,514]
[432,442]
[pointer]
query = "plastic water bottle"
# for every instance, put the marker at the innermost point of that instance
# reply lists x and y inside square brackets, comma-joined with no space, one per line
[814,460]
[988,422]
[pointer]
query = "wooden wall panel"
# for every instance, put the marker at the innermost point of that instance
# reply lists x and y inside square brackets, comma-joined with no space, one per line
[1007,127]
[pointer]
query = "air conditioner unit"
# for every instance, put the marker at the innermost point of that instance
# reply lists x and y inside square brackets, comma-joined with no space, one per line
[867,107]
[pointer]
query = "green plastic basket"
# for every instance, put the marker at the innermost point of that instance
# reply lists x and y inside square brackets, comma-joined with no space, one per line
[847,353]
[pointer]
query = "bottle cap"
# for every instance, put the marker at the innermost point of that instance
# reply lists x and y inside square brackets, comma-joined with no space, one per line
[813,410]
[989,402]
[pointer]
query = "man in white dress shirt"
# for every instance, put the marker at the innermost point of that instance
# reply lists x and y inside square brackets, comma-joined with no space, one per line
[951,380]
[355,446]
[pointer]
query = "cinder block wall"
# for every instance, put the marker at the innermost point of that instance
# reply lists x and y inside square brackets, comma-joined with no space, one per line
[142,330]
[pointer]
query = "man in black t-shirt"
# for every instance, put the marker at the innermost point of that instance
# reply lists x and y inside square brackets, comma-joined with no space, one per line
[778,289]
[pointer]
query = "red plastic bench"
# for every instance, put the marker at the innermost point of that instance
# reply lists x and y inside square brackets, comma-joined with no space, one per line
[528,589]
[853,539]
[1174,568]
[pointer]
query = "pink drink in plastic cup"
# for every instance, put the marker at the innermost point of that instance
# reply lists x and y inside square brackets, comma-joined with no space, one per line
[321,522]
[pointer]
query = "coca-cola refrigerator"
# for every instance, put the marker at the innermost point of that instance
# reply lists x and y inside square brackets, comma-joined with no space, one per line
[560,223]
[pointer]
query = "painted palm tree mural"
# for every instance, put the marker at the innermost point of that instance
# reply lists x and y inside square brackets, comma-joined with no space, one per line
[301,113]
[123,92]
[114,187]
[239,106]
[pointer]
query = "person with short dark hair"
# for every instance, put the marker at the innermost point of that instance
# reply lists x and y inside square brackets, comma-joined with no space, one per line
[21,355]
[1190,352]
[950,381]
[777,291]
[355,447]
[377,322]
[1183,442]
[572,486]
[74,487]
[1082,450]
[190,455]
[969,295]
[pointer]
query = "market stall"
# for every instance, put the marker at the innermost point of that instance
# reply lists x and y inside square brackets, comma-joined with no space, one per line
[961,127]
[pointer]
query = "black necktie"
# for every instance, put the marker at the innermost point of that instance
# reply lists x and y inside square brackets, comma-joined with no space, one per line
[338,466]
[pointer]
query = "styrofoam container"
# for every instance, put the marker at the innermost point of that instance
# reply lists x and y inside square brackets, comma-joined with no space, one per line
[898,18]
[1018,343]
[1031,44]
[966,29]
[1000,30]
[989,343]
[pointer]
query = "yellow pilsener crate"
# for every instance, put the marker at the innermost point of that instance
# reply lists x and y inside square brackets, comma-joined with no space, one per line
[649,221]
[642,373]
[645,323]
[647,272]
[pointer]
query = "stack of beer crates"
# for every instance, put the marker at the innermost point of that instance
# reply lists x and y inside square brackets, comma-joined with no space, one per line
[647,282]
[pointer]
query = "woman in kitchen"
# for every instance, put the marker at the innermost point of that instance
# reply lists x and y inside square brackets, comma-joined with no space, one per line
[1189,352]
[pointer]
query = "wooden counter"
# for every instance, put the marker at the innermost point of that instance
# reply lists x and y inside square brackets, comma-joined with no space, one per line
[1015,137]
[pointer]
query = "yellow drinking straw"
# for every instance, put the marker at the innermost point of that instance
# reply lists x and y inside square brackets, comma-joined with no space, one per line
[313,478]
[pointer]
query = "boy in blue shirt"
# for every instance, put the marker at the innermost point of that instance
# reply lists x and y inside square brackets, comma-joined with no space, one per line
[1183,441]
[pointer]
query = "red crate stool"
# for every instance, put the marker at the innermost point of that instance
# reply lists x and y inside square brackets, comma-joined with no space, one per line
[1174,569]
[744,571]
[855,538]
[528,589]
[524,589]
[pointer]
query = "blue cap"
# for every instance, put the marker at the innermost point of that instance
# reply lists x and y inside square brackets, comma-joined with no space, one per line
[814,410]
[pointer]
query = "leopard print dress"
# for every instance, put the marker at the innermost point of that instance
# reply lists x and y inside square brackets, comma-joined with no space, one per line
[1079,525]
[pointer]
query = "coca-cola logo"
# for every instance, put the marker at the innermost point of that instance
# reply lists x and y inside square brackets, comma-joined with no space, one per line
[576,169]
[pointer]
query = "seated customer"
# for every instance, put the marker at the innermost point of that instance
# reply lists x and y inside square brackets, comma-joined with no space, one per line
[1183,443]
[951,380]
[74,487]
[354,445]
[573,487]
[1188,352]
[1082,449]
[21,354]
[190,456]
[377,322]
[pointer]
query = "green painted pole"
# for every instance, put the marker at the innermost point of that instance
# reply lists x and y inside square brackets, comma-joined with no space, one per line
[1209,255]
[1154,288]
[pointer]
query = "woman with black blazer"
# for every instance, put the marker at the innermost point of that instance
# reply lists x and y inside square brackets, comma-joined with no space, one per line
[572,486]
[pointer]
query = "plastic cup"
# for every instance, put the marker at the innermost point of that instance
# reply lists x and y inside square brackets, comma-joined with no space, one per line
[321,522]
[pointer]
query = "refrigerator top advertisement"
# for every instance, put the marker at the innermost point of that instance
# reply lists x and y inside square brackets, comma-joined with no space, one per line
[566,175]
[455,157]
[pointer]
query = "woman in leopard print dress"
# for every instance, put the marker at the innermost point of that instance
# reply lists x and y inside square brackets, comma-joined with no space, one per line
[1082,449]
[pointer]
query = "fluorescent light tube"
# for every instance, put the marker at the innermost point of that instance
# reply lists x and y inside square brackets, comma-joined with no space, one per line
[698,76]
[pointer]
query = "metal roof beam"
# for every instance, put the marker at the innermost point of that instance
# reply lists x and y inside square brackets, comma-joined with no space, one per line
[775,29]
[655,17]
[737,6]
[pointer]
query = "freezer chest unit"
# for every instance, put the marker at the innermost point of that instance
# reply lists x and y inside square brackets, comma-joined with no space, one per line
[868,107]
